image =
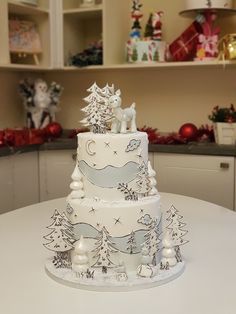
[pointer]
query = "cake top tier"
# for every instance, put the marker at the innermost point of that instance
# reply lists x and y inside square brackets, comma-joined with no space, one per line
[103,111]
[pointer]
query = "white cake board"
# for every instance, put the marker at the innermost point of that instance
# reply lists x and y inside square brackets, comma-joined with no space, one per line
[68,278]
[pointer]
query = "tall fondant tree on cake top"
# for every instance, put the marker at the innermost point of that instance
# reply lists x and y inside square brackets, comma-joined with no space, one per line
[104,248]
[97,112]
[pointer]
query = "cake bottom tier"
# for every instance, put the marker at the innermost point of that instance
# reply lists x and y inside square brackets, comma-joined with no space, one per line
[115,232]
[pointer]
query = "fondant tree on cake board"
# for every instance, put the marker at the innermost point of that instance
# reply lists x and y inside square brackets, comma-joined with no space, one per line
[60,240]
[104,248]
[176,230]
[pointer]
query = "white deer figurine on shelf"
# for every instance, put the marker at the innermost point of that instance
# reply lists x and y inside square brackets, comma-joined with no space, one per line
[121,117]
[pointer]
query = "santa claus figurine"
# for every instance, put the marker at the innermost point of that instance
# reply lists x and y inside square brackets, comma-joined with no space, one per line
[157,24]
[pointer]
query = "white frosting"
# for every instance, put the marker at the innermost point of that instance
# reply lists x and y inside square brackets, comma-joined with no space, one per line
[106,213]
[203,4]
[105,160]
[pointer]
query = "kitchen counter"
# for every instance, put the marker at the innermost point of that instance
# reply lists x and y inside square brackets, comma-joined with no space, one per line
[191,148]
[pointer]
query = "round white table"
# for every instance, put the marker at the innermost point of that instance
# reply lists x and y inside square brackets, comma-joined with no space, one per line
[207,286]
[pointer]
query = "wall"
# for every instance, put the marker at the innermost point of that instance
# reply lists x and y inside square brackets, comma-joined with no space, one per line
[165,98]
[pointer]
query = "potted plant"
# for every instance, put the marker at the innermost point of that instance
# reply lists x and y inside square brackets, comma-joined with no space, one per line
[224,119]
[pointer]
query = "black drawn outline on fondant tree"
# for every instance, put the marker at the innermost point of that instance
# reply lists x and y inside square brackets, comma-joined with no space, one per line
[61,239]
[143,182]
[104,247]
[152,239]
[97,111]
[175,227]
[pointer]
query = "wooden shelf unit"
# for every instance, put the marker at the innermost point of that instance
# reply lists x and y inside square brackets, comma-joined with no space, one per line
[66,29]
[40,16]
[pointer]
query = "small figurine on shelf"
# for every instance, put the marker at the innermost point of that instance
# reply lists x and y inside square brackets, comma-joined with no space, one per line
[40,102]
[151,47]
[157,25]
[136,16]
[87,3]
[207,49]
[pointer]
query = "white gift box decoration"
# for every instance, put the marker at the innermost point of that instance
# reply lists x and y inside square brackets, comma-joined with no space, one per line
[146,51]
[225,133]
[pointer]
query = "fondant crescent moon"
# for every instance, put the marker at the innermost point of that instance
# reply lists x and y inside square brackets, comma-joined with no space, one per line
[88,148]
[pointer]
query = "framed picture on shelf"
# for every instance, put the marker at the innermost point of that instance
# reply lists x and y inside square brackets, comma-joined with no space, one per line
[24,39]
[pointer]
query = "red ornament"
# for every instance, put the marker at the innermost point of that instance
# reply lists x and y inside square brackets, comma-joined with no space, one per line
[189,131]
[2,138]
[9,137]
[53,130]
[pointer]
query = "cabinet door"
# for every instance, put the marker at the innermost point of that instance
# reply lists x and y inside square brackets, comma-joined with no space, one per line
[26,179]
[210,178]
[55,169]
[6,184]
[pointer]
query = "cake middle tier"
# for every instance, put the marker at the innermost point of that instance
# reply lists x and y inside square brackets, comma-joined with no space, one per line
[112,165]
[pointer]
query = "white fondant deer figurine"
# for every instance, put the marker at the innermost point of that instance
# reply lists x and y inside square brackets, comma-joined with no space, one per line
[121,117]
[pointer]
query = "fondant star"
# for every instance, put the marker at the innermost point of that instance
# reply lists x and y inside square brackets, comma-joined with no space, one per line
[92,210]
[117,220]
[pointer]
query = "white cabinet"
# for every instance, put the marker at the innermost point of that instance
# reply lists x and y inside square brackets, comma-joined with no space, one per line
[19,185]
[151,158]
[210,178]
[55,169]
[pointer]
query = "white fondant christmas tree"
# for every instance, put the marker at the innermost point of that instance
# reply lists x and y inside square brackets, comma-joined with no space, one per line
[152,180]
[152,240]
[168,251]
[80,260]
[175,226]
[59,240]
[98,112]
[104,248]
[77,186]
[131,243]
